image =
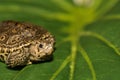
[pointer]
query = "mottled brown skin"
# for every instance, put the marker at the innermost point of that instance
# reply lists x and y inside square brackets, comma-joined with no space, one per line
[24,43]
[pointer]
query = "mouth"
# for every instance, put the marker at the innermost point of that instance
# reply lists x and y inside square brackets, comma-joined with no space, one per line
[46,57]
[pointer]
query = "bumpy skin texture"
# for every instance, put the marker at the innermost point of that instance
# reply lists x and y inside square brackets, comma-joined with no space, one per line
[24,43]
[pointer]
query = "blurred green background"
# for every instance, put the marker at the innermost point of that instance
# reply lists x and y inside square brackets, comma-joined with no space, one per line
[86,33]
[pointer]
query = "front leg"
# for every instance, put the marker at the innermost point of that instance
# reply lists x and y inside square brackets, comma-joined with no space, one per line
[17,58]
[29,62]
[3,56]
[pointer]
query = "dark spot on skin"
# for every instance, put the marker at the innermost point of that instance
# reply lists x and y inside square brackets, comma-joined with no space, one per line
[2,57]
[45,37]
[6,54]
[16,23]
[2,51]
[13,41]
[41,46]
[18,38]
[2,38]
[27,27]
[8,51]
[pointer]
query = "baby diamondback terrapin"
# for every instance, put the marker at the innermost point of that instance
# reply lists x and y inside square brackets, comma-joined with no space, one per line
[24,43]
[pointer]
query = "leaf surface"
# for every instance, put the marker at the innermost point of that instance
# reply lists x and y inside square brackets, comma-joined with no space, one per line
[87,39]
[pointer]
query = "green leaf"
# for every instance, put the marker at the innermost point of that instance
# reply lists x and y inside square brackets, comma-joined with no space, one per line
[87,38]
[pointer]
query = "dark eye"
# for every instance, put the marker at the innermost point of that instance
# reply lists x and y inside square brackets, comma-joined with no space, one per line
[41,46]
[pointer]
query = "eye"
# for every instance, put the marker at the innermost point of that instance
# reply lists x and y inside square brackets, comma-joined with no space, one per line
[41,46]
